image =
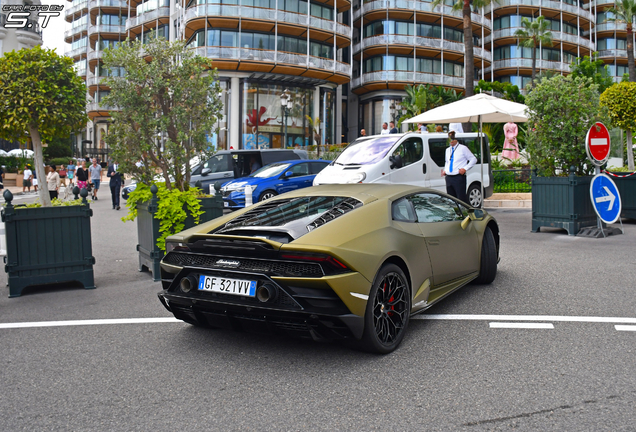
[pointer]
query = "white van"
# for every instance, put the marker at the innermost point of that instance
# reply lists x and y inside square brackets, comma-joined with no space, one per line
[410,158]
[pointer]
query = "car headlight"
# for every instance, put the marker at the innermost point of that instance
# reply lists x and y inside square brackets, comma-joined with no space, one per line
[357,178]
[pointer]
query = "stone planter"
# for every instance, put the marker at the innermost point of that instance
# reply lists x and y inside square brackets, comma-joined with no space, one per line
[150,254]
[562,202]
[35,237]
[11,179]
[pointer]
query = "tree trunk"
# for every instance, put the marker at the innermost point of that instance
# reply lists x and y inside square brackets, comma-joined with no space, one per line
[630,151]
[534,65]
[43,190]
[469,59]
[630,55]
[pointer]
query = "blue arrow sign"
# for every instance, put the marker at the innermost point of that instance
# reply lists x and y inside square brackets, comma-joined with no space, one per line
[605,198]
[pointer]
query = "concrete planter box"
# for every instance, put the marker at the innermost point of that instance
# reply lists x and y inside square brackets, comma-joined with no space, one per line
[11,179]
[562,202]
[627,188]
[34,239]
[150,254]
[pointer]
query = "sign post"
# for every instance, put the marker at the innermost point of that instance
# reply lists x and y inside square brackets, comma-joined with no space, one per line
[603,191]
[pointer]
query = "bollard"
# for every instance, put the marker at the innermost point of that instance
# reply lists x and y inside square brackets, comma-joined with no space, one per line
[248,196]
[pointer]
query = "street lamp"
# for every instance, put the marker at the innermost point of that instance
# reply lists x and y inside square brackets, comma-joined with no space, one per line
[392,110]
[287,104]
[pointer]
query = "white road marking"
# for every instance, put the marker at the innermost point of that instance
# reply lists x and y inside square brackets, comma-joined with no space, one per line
[521,325]
[87,322]
[625,327]
[558,318]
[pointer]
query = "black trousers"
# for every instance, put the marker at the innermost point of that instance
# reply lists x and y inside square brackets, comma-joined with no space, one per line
[53,194]
[456,186]
[115,192]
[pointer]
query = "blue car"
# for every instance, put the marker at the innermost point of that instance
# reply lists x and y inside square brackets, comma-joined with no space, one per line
[271,180]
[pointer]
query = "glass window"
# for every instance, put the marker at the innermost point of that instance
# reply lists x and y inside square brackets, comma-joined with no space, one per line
[247,40]
[214,38]
[228,38]
[316,167]
[437,149]
[301,169]
[367,152]
[431,207]
[402,210]
[410,150]
[219,163]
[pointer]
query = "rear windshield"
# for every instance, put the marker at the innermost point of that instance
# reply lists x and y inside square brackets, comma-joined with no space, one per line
[367,152]
[295,217]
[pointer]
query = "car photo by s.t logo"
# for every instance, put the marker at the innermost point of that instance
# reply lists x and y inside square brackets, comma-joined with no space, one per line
[20,16]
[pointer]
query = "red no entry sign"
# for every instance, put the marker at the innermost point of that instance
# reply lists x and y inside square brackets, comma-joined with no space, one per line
[597,143]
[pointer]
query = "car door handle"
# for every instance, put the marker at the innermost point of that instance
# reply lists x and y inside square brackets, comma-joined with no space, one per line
[227,175]
[433,242]
[424,169]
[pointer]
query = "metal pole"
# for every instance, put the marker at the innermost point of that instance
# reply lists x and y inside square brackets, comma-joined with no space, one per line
[286,111]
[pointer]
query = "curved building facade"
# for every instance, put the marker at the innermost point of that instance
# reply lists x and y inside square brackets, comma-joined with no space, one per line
[344,62]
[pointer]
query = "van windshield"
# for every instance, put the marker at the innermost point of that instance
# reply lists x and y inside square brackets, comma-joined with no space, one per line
[367,152]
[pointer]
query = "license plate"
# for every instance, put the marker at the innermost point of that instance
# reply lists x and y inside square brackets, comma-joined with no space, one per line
[245,288]
[226,204]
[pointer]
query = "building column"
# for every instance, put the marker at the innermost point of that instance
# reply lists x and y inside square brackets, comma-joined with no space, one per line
[338,114]
[235,116]
[316,112]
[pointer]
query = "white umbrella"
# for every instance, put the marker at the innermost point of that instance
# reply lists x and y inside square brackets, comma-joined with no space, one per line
[480,108]
[3,153]
[21,152]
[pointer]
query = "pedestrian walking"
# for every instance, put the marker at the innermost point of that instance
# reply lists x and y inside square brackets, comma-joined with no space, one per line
[62,173]
[53,182]
[70,168]
[385,129]
[393,129]
[82,175]
[115,183]
[35,180]
[27,177]
[1,178]
[459,159]
[363,133]
[95,171]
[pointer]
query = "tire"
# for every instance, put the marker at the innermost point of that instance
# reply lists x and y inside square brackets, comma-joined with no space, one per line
[474,195]
[267,195]
[386,319]
[488,267]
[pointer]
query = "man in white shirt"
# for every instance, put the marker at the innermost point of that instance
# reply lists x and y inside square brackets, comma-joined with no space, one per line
[459,159]
[26,179]
[385,129]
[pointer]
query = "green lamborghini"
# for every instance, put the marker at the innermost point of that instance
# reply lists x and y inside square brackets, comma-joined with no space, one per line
[351,261]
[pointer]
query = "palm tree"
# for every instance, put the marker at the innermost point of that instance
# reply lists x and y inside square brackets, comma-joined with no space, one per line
[534,34]
[419,99]
[469,59]
[624,11]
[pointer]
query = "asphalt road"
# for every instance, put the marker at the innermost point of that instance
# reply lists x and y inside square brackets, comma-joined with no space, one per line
[448,374]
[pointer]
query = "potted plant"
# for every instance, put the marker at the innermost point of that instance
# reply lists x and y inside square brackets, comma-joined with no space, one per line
[55,107]
[168,101]
[561,111]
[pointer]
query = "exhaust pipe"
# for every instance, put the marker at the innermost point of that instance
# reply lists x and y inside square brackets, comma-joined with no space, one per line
[266,293]
[188,283]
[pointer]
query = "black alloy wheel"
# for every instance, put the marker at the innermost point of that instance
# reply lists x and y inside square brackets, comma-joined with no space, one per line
[388,311]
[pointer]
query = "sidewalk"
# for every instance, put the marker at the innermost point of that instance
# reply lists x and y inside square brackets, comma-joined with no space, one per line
[509,200]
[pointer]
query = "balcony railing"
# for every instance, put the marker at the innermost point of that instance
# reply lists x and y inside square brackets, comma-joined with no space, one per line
[310,62]
[574,10]
[527,63]
[75,30]
[96,106]
[95,80]
[611,26]
[95,55]
[419,41]
[612,53]
[407,77]
[269,15]
[106,28]
[107,3]
[556,35]
[76,8]
[417,5]
[76,52]
[147,16]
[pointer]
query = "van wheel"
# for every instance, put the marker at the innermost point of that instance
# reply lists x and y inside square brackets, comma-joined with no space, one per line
[474,195]
[267,195]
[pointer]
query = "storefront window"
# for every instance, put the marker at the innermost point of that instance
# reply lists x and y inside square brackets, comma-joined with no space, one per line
[218,139]
[263,118]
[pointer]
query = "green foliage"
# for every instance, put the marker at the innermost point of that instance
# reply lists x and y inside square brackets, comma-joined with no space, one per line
[58,148]
[562,109]
[58,161]
[620,100]
[14,163]
[173,208]
[593,68]
[41,98]
[508,91]
[617,169]
[56,202]
[172,97]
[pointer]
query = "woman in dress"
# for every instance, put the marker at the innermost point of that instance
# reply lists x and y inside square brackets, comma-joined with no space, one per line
[510,147]
[53,182]
[81,174]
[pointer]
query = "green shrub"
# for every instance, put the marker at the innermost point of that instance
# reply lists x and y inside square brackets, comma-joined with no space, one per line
[58,161]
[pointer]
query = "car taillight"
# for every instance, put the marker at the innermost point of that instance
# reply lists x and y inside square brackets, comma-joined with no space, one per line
[330,264]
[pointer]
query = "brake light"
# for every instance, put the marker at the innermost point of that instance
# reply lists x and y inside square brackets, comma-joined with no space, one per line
[321,258]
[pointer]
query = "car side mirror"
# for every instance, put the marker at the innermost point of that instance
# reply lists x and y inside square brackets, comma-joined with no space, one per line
[288,174]
[396,162]
[476,214]
[205,171]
